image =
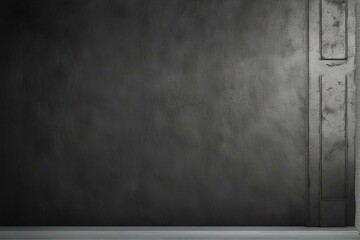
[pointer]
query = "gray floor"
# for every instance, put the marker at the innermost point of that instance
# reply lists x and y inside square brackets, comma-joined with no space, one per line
[177,233]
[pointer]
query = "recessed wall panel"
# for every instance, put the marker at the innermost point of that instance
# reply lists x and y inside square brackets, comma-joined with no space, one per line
[333,29]
[333,141]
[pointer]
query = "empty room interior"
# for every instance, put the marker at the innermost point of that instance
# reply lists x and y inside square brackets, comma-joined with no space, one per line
[179,119]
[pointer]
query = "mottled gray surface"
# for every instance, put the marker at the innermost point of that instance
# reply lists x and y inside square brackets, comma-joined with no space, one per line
[331,114]
[153,112]
[357,132]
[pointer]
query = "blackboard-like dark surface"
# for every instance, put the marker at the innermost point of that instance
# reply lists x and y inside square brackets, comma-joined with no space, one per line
[152,112]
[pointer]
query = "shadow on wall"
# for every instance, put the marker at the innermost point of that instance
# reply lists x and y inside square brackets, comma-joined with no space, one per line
[152,112]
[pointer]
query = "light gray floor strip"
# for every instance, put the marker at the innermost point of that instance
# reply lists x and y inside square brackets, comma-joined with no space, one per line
[177,233]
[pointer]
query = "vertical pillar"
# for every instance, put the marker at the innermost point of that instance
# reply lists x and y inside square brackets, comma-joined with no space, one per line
[331,112]
[357,142]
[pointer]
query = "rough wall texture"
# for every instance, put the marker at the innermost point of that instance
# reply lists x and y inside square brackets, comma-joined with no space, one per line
[152,112]
[357,134]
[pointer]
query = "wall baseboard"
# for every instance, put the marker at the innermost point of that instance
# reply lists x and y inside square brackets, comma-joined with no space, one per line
[178,233]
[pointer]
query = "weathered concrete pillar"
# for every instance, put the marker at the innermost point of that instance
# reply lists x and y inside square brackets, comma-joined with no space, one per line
[357,133]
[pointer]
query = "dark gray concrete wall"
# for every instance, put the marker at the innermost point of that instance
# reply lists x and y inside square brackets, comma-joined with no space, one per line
[153,112]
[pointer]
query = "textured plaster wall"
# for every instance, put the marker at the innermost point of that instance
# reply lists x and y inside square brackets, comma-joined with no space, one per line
[152,112]
[357,134]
